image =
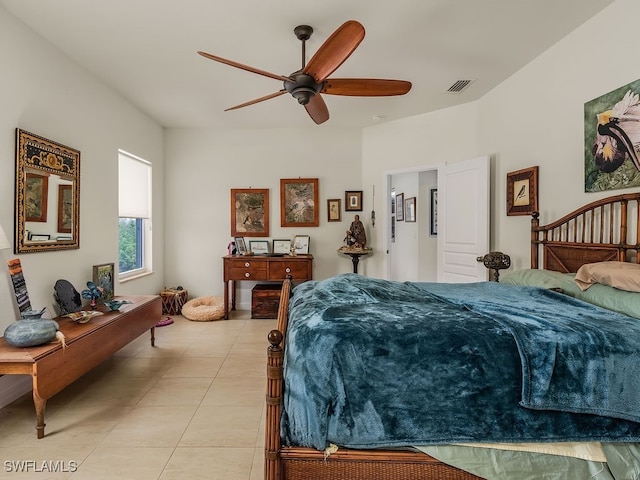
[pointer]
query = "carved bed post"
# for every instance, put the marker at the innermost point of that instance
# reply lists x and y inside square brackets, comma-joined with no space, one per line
[535,222]
[275,358]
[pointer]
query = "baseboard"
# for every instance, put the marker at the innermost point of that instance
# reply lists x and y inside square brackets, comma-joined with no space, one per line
[13,387]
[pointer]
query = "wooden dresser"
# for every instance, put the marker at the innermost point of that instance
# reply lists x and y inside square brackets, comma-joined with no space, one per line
[262,269]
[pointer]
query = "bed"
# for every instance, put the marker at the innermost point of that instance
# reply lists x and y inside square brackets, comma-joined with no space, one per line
[526,370]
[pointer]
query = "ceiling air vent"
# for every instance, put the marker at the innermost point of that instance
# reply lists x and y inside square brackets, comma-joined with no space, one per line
[459,85]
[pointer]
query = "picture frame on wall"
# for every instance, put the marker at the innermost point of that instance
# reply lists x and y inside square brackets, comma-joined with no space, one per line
[36,197]
[301,244]
[65,208]
[522,191]
[334,213]
[353,201]
[281,246]
[250,212]
[299,202]
[410,209]
[400,207]
[433,217]
[103,277]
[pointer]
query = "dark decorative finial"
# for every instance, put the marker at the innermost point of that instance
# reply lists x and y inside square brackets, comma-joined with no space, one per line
[496,261]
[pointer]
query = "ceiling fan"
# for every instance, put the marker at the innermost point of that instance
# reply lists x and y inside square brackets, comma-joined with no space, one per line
[306,84]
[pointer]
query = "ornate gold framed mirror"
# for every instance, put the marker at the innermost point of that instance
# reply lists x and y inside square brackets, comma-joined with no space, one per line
[47,203]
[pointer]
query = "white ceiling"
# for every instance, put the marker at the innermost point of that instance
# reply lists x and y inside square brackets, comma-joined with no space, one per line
[146,50]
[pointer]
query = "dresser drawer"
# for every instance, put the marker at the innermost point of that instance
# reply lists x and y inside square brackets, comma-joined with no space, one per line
[247,270]
[297,269]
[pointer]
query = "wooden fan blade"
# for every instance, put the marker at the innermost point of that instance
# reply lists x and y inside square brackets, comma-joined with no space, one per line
[317,109]
[257,100]
[244,67]
[365,87]
[335,50]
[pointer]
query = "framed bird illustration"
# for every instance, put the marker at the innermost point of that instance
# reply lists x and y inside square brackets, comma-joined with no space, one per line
[612,140]
[522,191]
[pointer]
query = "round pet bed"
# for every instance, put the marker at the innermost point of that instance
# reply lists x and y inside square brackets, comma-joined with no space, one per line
[204,309]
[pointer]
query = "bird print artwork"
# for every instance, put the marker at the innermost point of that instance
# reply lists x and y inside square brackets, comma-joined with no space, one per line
[612,140]
[618,134]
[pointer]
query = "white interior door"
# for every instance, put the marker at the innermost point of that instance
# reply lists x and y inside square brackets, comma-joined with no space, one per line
[463,220]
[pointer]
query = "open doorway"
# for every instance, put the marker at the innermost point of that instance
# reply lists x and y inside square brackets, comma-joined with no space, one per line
[412,245]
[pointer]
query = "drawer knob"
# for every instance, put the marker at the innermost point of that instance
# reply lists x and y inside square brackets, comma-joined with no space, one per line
[247,264]
[288,270]
[247,275]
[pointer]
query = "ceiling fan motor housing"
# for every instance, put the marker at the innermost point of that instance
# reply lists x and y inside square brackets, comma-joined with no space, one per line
[303,87]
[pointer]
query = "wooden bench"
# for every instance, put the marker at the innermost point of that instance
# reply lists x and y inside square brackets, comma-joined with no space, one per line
[52,368]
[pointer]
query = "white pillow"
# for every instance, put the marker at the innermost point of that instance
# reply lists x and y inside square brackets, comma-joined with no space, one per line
[621,275]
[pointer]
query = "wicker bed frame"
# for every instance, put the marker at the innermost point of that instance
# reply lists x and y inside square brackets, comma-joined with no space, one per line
[607,229]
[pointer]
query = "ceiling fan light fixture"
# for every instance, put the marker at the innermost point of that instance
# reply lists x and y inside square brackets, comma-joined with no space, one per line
[303,94]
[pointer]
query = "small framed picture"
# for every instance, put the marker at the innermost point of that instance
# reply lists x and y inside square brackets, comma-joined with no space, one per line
[103,278]
[522,191]
[282,246]
[301,244]
[241,246]
[433,226]
[259,247]
[334,213]
[39,237]
[353,201]
[400,207]
[410,209]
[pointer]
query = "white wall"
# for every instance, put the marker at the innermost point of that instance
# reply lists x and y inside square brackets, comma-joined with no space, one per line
[533,118]
[45,93]
[415,143]
[204,165]
[536,118]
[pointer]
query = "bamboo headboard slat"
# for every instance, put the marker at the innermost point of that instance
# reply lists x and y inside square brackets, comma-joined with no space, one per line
[604,230]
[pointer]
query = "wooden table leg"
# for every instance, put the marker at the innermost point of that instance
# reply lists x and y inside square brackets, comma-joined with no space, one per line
[40,404]
[153,336]
[226,300]
[233,294]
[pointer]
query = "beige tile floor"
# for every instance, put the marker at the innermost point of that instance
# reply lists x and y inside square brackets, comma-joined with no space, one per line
[192,407]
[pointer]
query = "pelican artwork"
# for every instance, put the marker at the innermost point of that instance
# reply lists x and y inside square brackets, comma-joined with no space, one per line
[618,134]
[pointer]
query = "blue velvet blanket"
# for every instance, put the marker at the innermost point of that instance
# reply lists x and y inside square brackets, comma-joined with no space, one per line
[372,363]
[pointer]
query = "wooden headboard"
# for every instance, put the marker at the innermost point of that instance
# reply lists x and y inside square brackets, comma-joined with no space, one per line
[605,230]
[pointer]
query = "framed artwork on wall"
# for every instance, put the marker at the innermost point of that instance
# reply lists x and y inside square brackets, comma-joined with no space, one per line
[410,209]
[299,205]
[65,208]
[433,220]
[103,276]
[36,197]
[334,213]
[522,191]
[353,201]
[250,212]
[400,207]
[611,143]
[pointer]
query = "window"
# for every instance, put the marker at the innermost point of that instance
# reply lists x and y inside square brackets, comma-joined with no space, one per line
[134,225]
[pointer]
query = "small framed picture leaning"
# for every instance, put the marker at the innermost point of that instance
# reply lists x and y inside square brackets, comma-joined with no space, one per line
[281,246]
[103,277]
[301,244]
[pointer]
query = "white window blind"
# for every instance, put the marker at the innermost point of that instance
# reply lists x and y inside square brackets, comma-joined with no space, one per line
[134,177]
